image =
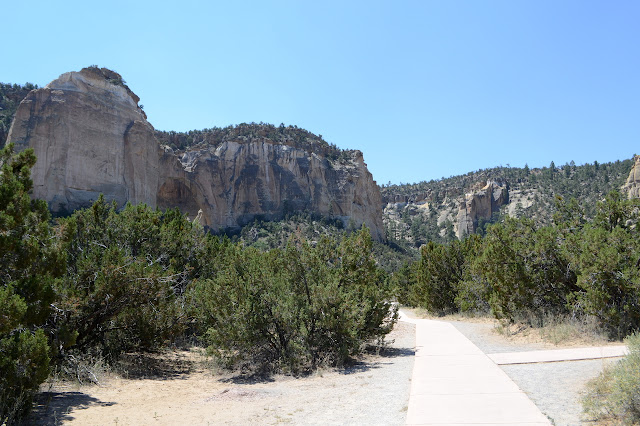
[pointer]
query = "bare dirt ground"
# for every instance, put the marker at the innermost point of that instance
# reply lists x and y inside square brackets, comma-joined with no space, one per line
[182,390]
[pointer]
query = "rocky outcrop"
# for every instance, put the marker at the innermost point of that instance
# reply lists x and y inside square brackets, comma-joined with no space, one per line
[632,186]
[238,181]
[480,204]
[91,137]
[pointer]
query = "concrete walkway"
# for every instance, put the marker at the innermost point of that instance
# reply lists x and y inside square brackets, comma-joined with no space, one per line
[455,383]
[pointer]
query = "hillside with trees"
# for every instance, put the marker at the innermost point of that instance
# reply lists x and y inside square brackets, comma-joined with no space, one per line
[525,271]
[427,211]
[284,135]
[294,295]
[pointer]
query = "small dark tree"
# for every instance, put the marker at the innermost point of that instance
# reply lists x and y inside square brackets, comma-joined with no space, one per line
[437,275]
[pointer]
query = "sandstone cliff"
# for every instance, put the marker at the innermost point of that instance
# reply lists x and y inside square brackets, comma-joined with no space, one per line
[236,181]
[425,216]
[480,204]
[91,137]
[632,185]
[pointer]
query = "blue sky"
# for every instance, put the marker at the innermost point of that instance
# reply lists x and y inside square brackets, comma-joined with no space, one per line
[426,89]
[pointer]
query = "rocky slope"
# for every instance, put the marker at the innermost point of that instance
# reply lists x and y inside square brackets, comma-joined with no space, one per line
[480,204]
[236,181]
[91,137]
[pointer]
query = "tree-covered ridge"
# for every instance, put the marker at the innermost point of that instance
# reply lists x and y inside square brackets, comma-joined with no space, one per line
[12,94]
[568,181]
[532,194]
[247,132]
[10,97]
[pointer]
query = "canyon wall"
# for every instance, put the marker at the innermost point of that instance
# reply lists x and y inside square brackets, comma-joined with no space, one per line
[90,136]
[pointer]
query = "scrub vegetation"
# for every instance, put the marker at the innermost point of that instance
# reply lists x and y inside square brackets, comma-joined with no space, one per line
[304,292]
[105,281]
[522,271]
[574,270]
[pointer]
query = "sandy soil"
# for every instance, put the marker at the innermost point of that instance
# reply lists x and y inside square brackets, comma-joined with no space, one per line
[373,391]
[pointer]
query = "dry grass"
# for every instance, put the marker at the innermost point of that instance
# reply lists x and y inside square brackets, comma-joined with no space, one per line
[558,331]
[614,396]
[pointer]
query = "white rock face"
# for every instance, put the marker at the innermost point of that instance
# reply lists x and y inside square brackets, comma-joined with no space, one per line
[91,137]
[480,204]
[632,186]
[238,181]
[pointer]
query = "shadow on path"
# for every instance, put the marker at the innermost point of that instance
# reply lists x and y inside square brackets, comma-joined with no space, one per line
[381,354]
[54,408]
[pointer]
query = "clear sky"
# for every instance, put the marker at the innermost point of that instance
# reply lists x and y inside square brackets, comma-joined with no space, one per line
[426,89]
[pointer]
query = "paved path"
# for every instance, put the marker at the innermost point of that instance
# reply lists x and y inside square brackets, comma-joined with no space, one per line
[455,383]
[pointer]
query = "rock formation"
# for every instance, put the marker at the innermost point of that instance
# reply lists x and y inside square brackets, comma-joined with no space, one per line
[91,137]
[237,181]
[632,186]
[480,204]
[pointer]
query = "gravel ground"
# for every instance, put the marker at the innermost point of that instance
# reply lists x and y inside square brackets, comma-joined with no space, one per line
[484,336]
[556,387]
